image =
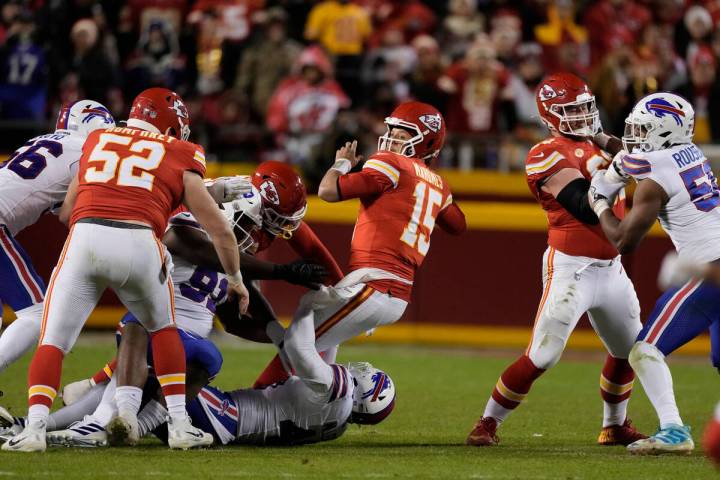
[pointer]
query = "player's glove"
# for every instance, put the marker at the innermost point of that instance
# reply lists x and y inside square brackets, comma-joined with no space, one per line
[615,172]
[302,273]
[235,187]
[602,192]
[675,271]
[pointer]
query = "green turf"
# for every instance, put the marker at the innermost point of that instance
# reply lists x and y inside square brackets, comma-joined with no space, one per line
[440,394]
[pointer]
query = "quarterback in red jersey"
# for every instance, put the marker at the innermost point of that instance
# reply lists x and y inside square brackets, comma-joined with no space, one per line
[129,181]
[582,272]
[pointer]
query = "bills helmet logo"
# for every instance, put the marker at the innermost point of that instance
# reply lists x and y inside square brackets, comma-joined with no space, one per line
[546,93]
[96,112]
[433,122]
[269,192]
[660,108]
[381,382]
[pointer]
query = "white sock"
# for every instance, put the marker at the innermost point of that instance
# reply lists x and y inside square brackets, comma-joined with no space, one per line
[176,406]
[107,409]
[128,399]
[495,410]
[654,374]
[38,415]
[614,413]
[151,416]
[21,335]
[85,405]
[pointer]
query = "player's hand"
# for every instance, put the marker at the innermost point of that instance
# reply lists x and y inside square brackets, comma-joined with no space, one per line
[302,273]
[615,172]
[240,292]
[675,271]
[602,192]
[348,151]
[235,187]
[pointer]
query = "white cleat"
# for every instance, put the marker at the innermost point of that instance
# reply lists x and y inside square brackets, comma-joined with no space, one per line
[182,435]
[72,392]
[123,430]
[10,425]
[32,439]
[86,433]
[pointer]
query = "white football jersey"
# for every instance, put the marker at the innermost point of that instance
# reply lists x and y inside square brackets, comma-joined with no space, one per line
[691,216]
[36,177]
[197,290]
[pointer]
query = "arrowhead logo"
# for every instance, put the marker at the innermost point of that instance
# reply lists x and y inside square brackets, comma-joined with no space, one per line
[433,122]
[546,93]
[269,192]
[180,109]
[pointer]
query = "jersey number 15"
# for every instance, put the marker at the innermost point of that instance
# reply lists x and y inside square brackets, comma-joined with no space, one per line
[143,155]
[417,234]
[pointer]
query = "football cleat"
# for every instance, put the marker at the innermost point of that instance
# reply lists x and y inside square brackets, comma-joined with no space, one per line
[674,439]
[484,433]
[624,434]
[72,392]
[123,430]
[182,435]
[9,425]
[85,433]
[31,439]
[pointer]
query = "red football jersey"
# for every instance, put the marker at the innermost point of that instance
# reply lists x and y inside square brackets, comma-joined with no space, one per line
[400,201]
[565,232]
[131,174]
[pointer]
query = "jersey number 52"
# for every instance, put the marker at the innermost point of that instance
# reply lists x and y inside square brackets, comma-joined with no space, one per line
[143,156]
[422,221]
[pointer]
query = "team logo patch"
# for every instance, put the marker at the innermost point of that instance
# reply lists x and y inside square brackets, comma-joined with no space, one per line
[661,107]
[579,152]
[433,122]
[97,112]
[269,192]
[546,93]
[381,382]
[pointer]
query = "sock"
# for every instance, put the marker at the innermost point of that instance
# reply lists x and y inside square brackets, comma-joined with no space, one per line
[105,374]
[169,361]
[107,409]
[128,399]
[654,374]
[274,372]
[616,382]
[21,335]
[85,405]
[43,382]
[511,388]
[151,416]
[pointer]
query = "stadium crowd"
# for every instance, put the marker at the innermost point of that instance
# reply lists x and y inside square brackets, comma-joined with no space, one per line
[291,79]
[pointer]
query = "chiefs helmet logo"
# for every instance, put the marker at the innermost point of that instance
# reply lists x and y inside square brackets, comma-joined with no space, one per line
[433,122]
[269,193]
[546,93]
[180,109]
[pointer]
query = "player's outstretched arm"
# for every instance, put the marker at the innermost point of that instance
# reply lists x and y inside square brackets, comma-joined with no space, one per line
[207,213]
[345,160]
[69,202]
[626,234]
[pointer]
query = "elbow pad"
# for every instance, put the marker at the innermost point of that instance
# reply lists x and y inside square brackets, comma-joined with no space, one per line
[574,199]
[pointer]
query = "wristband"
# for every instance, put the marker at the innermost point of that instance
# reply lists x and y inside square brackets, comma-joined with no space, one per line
[236,278]
[342,165]
[600,206]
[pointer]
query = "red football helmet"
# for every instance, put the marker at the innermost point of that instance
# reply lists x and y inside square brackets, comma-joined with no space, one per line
[284,197]
[162,109]
[424,122]
[567,106]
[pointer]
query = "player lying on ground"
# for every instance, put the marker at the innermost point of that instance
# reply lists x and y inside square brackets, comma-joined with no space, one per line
[582,272]
[129,181]
[676,186]
[401,199]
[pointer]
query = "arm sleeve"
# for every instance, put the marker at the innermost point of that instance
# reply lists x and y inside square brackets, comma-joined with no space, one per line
[452,220]
[309,247]
[574,199]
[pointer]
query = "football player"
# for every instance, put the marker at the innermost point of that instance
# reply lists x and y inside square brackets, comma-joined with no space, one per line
[582,272]
[33,181]
[676,186]
[129,181]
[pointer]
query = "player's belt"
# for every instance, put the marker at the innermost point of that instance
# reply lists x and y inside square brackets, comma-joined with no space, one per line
[112,223]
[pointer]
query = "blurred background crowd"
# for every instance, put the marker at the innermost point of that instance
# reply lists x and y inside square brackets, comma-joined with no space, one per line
[291,79]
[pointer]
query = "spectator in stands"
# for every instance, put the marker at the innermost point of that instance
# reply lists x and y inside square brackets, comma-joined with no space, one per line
[430,67]
[699,25]
[563,40]
[608,20]
[389,65]
[506,33]
[342,28]
[460,27]
[703,91]
[209,51]
[157,61]
[305,105]
[232,134]
[267,62]
[610,82]
[412,17]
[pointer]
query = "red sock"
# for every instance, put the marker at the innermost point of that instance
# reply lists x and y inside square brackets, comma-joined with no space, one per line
[44,375]
[515,382]
[616,380]
[105,374]
[169,362]
[274,372]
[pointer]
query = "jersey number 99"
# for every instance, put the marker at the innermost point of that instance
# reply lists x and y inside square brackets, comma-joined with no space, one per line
[422,221]
[105,164]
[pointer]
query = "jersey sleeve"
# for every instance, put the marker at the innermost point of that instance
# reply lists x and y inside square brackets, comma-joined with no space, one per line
[637,166]
[642,166]
[545,160]
[196,159]
[308,246]
[378,175]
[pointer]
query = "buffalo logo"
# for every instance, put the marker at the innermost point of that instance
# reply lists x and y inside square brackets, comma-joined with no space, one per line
[661,107]
[547,93]
[433,122]
[381,382]
[96,112]
[269,192]
[180,109]
[224,406]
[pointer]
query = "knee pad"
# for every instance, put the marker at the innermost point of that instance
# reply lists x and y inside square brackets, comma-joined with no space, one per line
[546,352]
[643,351]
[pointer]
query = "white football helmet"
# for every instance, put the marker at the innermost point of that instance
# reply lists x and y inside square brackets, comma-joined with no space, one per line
[245,216]
[659,121]
[84,116]
[373,395]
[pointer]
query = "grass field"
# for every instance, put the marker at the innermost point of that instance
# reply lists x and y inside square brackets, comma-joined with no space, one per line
[440,395]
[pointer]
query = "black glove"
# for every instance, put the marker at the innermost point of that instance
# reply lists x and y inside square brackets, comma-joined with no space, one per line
[301,272]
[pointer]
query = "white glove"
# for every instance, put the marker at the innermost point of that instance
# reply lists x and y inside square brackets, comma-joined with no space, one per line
[676,271]
[234,187]
[615,172]
[602,192]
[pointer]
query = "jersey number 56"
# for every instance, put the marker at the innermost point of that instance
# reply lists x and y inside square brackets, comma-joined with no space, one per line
[417,234]
[143,155]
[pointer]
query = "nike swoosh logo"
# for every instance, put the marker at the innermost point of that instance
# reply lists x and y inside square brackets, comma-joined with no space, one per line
[14,442]
[196,435]
[539,155]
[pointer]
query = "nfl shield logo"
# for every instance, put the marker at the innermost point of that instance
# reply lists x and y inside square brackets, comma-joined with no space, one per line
[433,122]
[269,193]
